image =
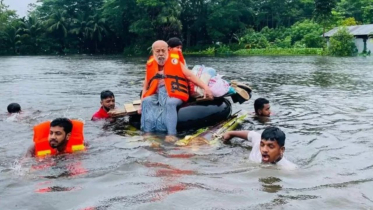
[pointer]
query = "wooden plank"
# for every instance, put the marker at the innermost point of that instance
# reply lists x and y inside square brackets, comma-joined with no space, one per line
[137,107]
[137,102]
[117,113]
[130,109]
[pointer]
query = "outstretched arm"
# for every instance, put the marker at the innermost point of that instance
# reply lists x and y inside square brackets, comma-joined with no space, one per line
[231,134]
[190,76]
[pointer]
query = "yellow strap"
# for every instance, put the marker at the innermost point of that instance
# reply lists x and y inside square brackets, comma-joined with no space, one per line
[78,147]
[44,153]
[150,61]
[174,55]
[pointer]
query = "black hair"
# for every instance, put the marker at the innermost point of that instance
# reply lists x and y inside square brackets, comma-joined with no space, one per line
[65,123]
[174,42]
[107,94]
[259,104]
[14,108]
[274,134]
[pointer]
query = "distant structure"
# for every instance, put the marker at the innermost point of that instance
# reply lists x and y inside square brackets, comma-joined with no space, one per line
[363,36]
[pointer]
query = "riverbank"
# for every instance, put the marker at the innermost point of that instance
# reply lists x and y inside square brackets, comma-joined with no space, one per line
[267,51]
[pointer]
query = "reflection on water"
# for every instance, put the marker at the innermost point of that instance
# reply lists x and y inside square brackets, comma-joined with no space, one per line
[271,184]
[323,104]
[56,189]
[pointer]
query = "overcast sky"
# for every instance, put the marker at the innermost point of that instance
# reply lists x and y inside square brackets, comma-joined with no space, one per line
[19,5]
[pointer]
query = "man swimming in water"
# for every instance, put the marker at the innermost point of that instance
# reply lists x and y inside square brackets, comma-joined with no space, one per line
[107,104]
[262,107]
[59,139]
[14,108]
[269,147]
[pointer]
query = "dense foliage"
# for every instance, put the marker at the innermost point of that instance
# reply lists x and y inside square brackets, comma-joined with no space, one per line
[342,43]
[114,26]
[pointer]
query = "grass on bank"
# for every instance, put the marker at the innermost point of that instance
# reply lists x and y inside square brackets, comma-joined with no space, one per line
[281,51]
[211,51]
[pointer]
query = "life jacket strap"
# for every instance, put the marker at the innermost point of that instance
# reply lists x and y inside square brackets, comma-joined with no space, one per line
[175,85]
[157,76]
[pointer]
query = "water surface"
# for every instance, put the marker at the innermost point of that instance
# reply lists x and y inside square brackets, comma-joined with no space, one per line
[323,104]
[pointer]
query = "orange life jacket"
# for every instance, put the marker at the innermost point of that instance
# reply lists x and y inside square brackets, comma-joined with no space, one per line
[41,134]
[175,82]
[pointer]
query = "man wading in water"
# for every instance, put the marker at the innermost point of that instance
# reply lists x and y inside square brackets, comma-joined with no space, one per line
[267,148]
[165,88]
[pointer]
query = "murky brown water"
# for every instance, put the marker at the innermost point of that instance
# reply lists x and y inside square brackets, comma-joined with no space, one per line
[323,104]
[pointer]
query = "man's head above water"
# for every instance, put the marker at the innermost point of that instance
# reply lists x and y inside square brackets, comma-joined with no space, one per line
[262,107]
[59,132]
[14,108]
[272,145]
[107,100]
[160,52]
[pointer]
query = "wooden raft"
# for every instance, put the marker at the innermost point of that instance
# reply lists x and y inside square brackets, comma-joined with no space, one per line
[129,109]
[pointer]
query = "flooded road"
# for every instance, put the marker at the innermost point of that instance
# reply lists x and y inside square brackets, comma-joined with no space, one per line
[323,104]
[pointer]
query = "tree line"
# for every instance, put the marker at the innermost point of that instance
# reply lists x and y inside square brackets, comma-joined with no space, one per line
[130,26]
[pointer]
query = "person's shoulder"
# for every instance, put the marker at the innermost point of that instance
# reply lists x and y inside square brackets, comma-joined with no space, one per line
[30,151]
[286,164]
[98,115]
[253,135]
[86,144]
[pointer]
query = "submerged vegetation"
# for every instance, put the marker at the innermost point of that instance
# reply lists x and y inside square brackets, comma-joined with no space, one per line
[242,27]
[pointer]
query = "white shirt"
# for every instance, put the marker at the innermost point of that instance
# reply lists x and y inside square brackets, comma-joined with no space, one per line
[256,156]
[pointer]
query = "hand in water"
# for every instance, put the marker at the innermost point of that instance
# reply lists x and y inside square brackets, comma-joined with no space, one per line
[227,137]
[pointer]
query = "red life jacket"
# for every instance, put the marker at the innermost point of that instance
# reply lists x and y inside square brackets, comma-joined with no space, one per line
[41,134]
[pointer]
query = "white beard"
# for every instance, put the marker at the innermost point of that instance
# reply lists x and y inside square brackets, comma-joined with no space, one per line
[161,62]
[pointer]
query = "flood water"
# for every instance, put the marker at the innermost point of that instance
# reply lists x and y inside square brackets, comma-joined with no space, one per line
[323,104]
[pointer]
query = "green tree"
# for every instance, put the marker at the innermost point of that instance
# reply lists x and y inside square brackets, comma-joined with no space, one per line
[349,22]
[342,43]
[224,19]
[97,30]
[351,8]
[254,40]
[308,33]
[323,11]
[29,33]
[80,28]
[119,15]
[368,13]
[57,25]
[8,24]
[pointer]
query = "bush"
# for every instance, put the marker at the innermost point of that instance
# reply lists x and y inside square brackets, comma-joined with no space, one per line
[223,50]
[285,43]
[308,32]
[342,43]
[281,51]
[272,34]
[313,40]
[254,40]
[209,51]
